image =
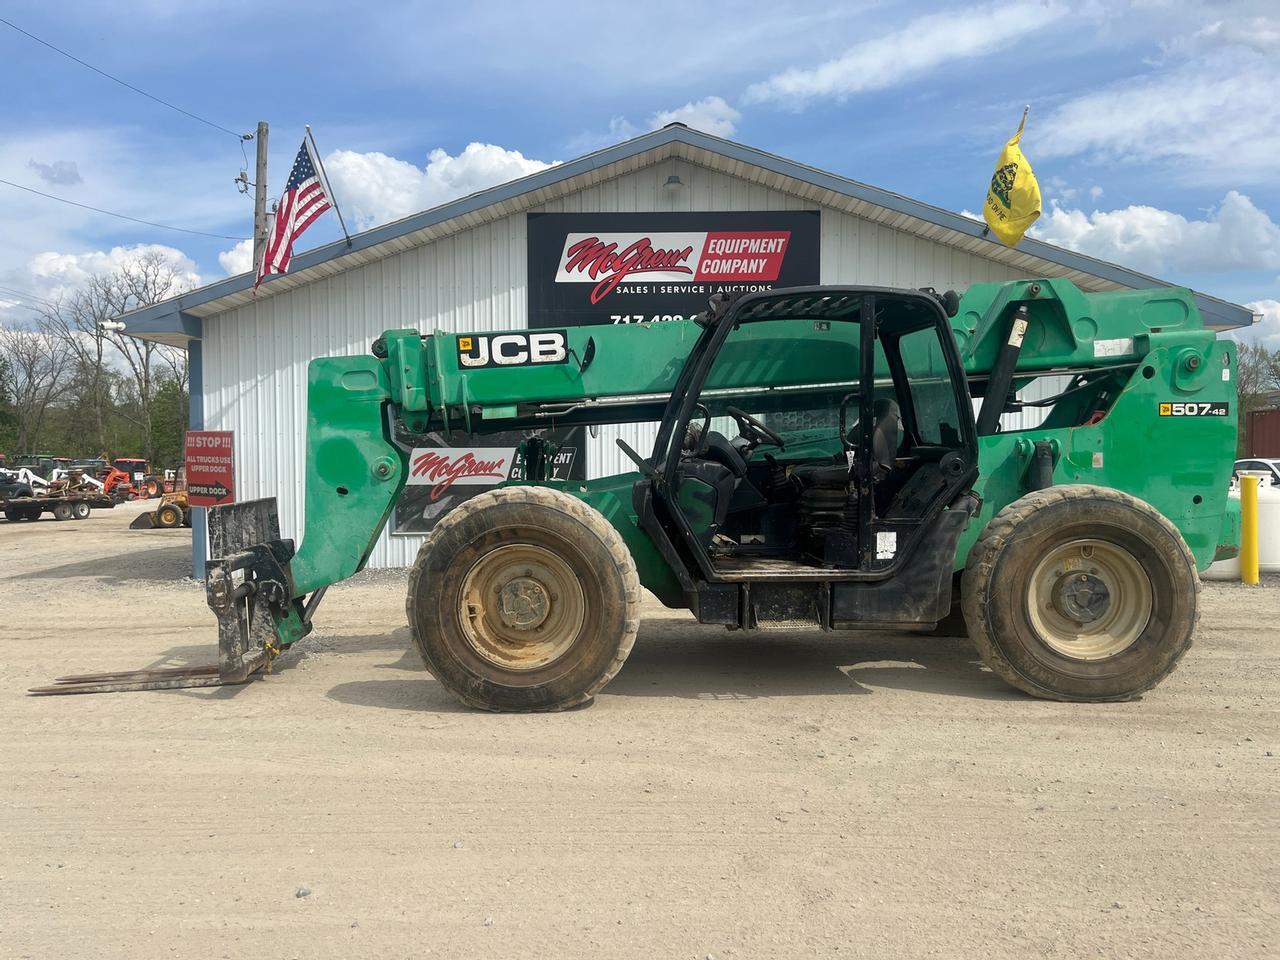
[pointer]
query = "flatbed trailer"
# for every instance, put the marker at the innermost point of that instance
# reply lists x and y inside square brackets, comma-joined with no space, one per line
[76,505]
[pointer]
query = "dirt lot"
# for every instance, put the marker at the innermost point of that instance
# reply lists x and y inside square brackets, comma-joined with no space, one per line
[868,795]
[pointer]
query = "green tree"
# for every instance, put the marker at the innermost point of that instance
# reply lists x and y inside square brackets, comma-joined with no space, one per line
[8,420]
[169,421]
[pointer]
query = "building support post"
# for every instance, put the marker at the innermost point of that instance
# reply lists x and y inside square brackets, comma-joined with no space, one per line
[195,421]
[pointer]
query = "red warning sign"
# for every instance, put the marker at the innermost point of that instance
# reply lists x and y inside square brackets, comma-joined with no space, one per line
[211,468]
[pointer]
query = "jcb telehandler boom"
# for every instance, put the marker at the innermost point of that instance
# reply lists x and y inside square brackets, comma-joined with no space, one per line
[858,490]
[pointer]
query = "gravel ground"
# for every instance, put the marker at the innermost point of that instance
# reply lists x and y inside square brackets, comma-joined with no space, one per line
[865,795]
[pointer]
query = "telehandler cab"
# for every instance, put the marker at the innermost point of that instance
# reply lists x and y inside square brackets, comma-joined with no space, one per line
[818,464]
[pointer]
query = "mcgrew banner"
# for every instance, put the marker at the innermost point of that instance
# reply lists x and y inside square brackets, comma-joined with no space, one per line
[449,469]
[646,267]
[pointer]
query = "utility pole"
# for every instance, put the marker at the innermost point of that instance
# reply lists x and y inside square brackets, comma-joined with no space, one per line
[260,198]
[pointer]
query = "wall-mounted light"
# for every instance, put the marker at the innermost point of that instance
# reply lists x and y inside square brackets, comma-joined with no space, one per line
[111,326]
[673,182]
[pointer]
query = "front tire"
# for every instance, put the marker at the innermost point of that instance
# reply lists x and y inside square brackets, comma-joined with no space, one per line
[168,517]
[1081,593]
[524,599]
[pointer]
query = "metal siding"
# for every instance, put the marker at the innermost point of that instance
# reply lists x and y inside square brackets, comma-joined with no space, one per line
[255,355]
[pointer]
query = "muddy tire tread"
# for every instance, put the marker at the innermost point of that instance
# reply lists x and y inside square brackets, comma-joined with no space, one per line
[596,525]
[981,564]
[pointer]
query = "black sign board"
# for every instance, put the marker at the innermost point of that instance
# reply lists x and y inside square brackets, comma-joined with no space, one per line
[450,469]
[587,268]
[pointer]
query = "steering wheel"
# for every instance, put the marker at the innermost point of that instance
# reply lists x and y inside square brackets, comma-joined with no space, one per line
[753,430]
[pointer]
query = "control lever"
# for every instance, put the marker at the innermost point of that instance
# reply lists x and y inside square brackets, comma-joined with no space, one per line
[645,466]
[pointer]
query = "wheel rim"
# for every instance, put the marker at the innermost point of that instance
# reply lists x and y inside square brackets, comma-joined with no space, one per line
[521,607]
[1089,599]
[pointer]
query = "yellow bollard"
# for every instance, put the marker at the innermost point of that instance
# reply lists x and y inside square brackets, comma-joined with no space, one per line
[1248,529]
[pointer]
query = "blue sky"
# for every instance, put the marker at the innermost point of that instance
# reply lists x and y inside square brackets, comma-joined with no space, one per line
[1155,124]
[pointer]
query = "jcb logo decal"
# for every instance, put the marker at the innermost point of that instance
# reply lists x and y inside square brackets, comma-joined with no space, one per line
[512,349]
[1218,408]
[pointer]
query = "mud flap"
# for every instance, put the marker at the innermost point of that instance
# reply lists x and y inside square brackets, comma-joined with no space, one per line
[248,585]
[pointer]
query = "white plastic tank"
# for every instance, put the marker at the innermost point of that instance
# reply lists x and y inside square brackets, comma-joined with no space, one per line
[1268,535]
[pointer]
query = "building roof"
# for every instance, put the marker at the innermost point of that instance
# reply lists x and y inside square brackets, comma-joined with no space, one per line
[178,319]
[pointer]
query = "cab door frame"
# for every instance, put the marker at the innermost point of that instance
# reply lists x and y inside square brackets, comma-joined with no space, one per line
[657,508]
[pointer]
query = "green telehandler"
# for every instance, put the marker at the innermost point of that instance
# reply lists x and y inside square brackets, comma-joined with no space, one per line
[818,464]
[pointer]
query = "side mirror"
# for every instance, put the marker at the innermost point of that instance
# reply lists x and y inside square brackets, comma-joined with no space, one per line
[588,355]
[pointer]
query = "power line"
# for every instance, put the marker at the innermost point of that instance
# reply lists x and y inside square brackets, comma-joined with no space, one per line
[13,300]
[123,83]
[9,292]
[121,216]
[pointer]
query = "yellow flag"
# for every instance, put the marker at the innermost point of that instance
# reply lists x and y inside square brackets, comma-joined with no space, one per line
[1013,199]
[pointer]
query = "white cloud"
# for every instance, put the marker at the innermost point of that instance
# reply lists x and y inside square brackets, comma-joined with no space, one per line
[710,114]
[1261,33]
[239,259]
[1215,119]
[588,141]
[374,188]
[51,274]
[1235,236]
[920,46]
[1267,331]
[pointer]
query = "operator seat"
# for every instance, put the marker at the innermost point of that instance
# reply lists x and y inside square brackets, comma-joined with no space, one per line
[709,474]
[886,436]
[719,448]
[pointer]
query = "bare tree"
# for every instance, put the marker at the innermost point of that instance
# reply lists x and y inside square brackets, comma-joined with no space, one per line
[78,320]
[37,364]
[176,360]
[140,283]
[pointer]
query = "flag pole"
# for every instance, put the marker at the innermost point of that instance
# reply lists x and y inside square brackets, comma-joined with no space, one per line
[315,152]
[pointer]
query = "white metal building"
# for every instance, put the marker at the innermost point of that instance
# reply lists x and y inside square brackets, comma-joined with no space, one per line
[463,267]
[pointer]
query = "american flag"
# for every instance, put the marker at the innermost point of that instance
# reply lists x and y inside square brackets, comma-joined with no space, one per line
[303,201]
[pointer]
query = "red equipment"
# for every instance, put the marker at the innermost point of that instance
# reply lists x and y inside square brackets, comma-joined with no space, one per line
[141,479]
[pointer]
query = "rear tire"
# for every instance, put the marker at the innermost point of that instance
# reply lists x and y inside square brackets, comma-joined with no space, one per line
[62,511]
[168,517]
[524,599]
[31,512]
[80,510]
[1081,593]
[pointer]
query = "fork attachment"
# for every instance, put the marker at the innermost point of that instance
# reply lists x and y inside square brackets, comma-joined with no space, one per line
[249,589]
